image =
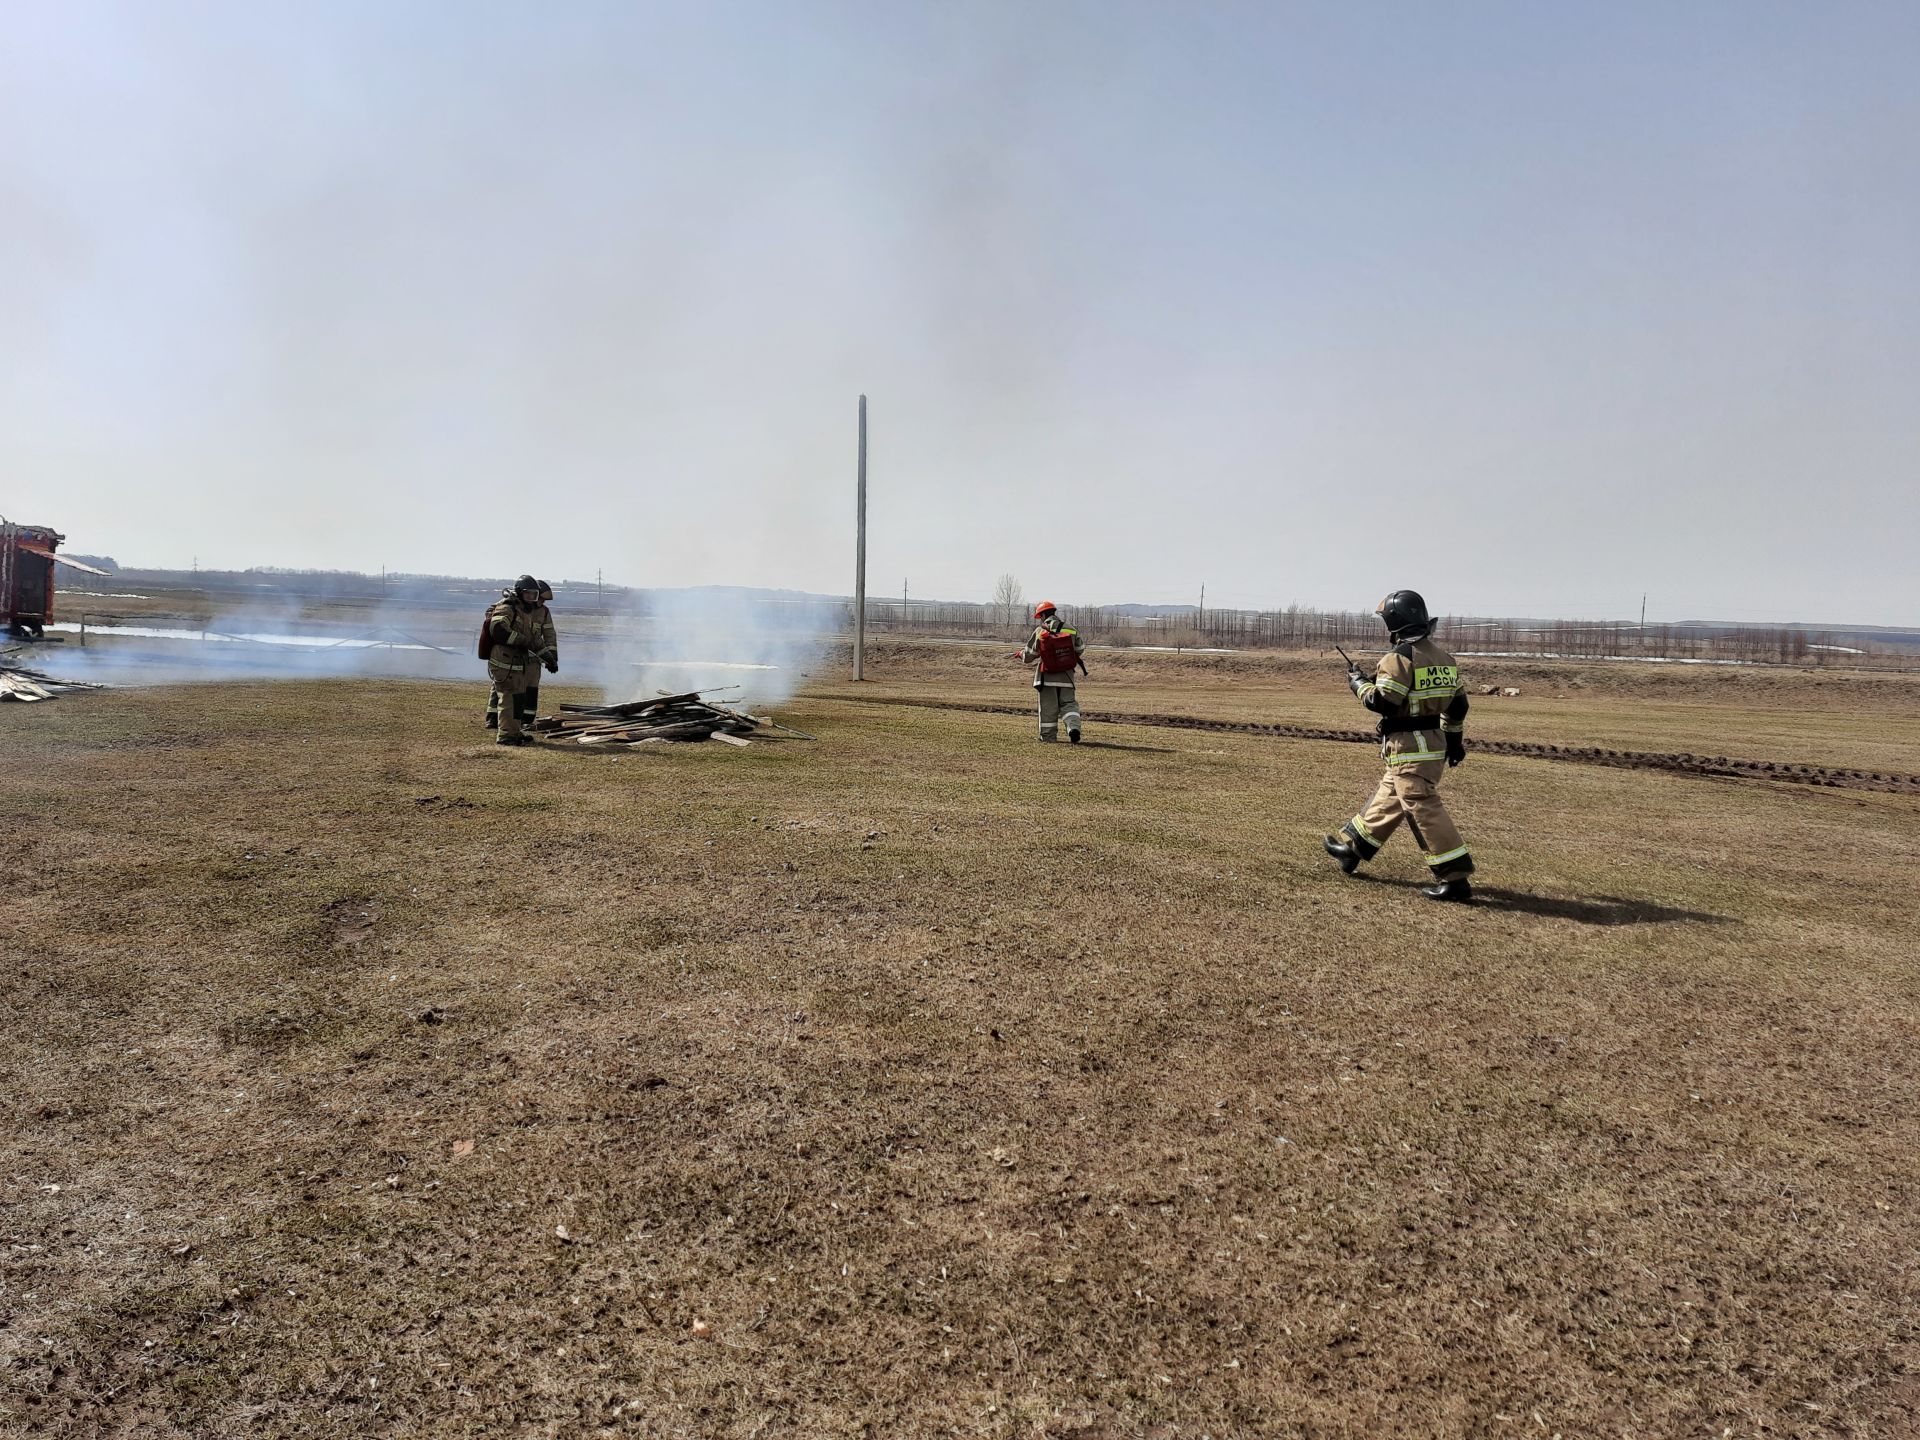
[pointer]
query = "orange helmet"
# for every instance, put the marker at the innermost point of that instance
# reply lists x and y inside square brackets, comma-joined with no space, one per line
[1044,609]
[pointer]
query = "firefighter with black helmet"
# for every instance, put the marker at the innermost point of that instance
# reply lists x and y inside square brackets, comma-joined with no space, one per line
[530,697]
[1422,712]
[1054,650]
[519,639]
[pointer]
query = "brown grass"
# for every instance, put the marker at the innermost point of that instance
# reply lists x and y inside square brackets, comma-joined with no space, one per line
[958,1086]
[1858,720]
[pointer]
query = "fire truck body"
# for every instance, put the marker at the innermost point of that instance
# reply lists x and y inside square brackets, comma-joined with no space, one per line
[27,559]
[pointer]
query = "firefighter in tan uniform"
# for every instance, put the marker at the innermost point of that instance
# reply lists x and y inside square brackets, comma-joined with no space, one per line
[1054,650]
[1416,693]
[530,697]
[520,629]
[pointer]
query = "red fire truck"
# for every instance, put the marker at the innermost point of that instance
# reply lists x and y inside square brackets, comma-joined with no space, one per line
[27,559]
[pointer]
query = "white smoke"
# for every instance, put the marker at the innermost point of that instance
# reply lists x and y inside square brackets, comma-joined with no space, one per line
[744,647]
[268,639]
[753,648]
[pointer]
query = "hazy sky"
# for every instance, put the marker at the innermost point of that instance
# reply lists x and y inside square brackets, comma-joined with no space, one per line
[1532,307]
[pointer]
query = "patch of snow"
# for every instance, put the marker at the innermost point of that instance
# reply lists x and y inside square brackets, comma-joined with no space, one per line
[217,637]
[1636,659]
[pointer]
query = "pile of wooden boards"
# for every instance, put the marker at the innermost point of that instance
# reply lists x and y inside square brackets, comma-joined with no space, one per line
[17,682]
[663,718]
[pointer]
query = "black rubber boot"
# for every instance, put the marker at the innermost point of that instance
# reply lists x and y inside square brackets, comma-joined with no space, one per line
[493,720]
[1459,888]
[1342,851]
[1074,736]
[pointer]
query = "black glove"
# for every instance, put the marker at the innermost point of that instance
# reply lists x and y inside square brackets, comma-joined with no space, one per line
[552,662]
[1354,678]
[1456,747]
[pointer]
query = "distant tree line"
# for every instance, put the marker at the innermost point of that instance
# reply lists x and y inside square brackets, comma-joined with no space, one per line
[1299,627]
[1006,616]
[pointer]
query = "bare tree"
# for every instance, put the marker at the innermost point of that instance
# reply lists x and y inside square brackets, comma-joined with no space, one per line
[1008,597]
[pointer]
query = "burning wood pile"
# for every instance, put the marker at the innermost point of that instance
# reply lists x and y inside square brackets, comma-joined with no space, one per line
[648,722]
[17,682]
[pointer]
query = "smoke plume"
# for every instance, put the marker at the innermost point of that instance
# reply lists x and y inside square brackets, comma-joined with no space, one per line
[711,639]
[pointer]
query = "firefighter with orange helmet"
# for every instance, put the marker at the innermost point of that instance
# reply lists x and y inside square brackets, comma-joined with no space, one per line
[1054,650]
[1415,691]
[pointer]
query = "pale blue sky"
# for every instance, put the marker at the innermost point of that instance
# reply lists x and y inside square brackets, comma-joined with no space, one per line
[1533,307]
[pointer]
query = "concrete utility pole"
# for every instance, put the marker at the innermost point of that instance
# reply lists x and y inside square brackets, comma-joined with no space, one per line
[860,559]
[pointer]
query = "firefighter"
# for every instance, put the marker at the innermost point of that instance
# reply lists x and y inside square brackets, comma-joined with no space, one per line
[1416,693]
[530,699]
[1054,651]
[521,631]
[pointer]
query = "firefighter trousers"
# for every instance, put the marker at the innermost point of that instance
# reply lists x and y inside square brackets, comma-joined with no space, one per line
[1412,793]
[1059,705]
[529,704]
[510,686]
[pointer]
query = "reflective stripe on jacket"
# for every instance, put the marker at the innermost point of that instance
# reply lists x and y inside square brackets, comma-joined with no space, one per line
[521,637]
[1416,693]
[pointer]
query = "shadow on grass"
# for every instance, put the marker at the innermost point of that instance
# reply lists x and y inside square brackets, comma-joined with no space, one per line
[1116,745]
[1597,910]
[1592,911]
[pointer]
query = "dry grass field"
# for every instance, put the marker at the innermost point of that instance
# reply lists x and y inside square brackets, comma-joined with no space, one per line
[365,1079]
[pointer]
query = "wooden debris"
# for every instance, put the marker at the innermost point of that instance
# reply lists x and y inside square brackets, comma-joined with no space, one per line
[17,682]
[642,722]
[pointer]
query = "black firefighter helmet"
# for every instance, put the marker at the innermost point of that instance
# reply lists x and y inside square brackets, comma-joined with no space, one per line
[1405,614]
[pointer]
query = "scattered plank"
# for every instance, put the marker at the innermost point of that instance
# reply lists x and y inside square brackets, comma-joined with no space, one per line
[29,687]
[685,717]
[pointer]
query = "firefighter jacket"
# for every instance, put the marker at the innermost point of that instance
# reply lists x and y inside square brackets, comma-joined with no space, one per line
[1416,693]
[521,637]
[1054,652]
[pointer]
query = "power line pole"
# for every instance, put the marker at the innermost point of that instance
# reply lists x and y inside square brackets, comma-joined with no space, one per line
[860,559]
[903,603]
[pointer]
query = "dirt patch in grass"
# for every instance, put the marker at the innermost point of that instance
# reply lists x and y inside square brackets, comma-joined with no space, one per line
[350,922]
[929,1081]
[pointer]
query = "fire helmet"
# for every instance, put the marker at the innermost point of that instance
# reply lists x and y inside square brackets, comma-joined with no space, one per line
[546,591]
[1405,614]
[1044,609]
[526,582]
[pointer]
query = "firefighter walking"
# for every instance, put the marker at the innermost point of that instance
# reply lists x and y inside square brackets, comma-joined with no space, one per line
[517,640]
[1054,650]
[1416,693]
